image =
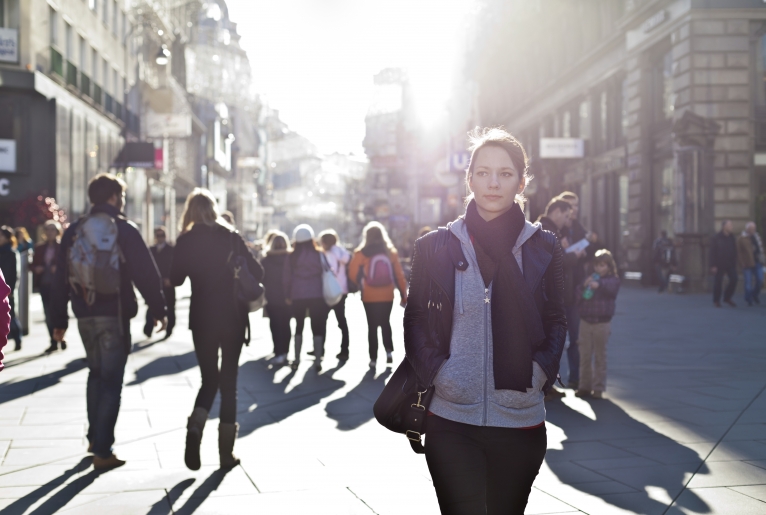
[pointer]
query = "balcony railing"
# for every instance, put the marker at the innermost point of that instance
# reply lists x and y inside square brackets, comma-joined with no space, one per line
[97,94]
[85,84]
[108,102]
[57,63]
[71,74]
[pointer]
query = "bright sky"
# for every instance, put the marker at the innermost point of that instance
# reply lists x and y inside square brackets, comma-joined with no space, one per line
[314,59]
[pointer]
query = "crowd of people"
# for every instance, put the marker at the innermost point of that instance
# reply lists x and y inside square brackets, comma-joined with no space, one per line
[493,303]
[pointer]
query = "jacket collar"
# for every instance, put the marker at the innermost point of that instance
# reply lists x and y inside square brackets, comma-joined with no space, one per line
[460,229]
[105,208]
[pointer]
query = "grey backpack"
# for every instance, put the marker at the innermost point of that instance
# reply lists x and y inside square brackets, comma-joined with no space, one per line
[94,258]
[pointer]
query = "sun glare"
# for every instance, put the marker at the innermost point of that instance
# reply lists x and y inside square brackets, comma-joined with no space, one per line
[314,60]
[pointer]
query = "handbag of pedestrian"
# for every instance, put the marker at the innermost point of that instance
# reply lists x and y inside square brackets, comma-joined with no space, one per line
[331,289]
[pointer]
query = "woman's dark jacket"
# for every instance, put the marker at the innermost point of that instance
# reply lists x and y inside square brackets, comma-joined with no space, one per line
[8,263]
[428,316]
[302,276]
[273,268]
[38,259]
[202,254]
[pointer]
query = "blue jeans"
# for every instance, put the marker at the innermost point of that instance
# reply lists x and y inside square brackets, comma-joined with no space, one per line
[106,354]
[753,283]
[573,352]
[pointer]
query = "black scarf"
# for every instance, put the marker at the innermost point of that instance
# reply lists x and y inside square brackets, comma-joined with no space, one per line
[516,324]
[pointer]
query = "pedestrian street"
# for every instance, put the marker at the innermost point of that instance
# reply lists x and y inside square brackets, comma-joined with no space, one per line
[682,428]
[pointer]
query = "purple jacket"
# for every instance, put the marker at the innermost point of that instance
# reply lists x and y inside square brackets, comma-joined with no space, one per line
[302,276]
[600,308]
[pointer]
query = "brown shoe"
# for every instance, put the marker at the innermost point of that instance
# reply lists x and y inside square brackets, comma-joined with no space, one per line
[730,303]
[112,462]
[598,395]
[582,393]
[554,394]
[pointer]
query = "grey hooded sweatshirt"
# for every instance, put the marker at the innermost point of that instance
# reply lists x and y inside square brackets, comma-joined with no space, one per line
[465,385]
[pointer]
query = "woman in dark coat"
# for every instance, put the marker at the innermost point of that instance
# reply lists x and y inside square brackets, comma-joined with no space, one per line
[485,327]
[216,318]
[279,312]
[44,270]
[9,266]
[302,279]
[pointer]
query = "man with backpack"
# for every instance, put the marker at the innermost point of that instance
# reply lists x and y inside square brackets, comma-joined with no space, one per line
[102,257]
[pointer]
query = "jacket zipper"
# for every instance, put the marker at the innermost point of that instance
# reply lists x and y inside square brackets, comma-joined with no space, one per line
[486,354]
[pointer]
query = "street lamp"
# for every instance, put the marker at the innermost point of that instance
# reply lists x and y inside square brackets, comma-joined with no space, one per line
[162,56]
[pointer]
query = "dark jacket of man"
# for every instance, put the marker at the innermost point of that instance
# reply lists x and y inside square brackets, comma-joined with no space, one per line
[664,252]
[572,264]
[202,254]
[723,251]
[273,271]
[137,269]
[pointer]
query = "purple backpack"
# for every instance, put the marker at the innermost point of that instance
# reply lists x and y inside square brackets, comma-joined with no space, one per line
[381,272]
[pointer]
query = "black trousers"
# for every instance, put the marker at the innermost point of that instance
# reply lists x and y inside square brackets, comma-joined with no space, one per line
[206,345]
[318,312]
[482,470]
[340,316]
[45,296]
[170,302]
[279,323]
[731,273]
[379,315]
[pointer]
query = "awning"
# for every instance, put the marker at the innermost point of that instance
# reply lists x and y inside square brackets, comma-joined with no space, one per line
[139,155]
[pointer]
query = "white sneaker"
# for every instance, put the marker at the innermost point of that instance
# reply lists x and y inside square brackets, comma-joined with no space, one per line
[373,363]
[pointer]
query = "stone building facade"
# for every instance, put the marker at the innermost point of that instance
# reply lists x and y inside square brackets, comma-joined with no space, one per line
[669,98]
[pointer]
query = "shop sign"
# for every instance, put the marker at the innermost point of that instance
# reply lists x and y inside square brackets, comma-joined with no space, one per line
[5,187]
[7,155]
[9,45]
[654,21]
[561,148]
[162,125]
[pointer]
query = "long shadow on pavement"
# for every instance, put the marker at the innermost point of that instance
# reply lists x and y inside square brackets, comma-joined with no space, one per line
[60,498]
[355,408]
[165,366]
[273,403]
[202,492]
[651,460]
[16,390]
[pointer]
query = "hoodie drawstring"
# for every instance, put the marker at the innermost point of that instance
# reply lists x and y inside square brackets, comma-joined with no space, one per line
[460,290]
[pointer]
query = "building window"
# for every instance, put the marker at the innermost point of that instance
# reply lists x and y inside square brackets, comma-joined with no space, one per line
[667,199]
[664,97]
[94,65]
[105,76]
[603,117]
[81,52]
[624,109]
[115,18]
[585,130]
[622,186]
[105,13]
[53,19]
[124,26]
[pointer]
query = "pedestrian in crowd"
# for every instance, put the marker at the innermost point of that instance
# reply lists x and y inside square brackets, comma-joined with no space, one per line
[424,230]
[574,231]
[485,327]
[162,252]
[723,261]
[750,252]
[228,217]
[557,218]
[664,259]
[104,318]
[302,280]
[23,241]
[280,314]
[216,318]
[338,258]
[597,303]
[376,269]
[5,316]
[44,260]
[9,264]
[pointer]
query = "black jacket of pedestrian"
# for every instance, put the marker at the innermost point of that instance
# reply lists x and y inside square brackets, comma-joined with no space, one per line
[572,265]
[164,259]
[202,254]
[8,263]
[137,268]
[273,270]
[428,316]
[723,251]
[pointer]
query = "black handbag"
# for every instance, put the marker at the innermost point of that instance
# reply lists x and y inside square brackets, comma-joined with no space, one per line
[401,408]
[248,292]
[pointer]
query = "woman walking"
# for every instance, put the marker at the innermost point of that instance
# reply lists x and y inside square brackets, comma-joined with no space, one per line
[44,270]
[485,328]
[9,265]
[280,314]
[302,281]
[216,318]
[376,269]
[337,258]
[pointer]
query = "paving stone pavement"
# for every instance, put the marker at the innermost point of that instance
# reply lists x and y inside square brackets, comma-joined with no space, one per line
[682,430]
